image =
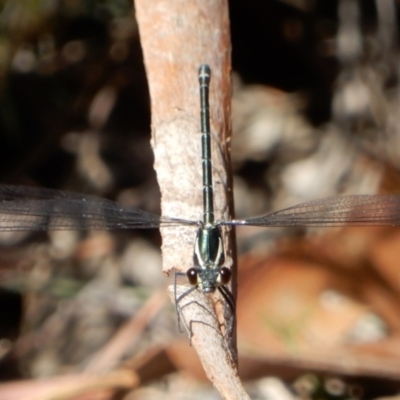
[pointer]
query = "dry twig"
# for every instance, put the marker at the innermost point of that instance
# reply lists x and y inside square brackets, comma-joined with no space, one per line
[177,36]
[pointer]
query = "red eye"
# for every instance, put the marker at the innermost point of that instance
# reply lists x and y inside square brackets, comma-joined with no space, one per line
[226,275]
[191,275]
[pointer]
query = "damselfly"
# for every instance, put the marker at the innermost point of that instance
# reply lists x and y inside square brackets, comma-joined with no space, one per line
[25,209]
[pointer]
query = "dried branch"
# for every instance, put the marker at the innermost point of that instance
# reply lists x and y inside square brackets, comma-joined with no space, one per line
[69,386]
[177,36]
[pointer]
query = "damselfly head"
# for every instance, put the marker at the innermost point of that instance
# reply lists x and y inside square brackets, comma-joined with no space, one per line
[209,279]
[209,257]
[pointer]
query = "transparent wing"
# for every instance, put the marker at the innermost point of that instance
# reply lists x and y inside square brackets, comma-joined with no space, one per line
[25,208]
[356,210]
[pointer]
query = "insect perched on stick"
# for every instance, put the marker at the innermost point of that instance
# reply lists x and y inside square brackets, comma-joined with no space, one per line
[25,208]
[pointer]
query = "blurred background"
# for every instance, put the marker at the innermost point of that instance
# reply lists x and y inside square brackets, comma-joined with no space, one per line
[315,114]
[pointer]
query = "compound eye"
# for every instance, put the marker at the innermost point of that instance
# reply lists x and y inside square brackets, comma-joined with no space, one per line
[191,275]
[226,275]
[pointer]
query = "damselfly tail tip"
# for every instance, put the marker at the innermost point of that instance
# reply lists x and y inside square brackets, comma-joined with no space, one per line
[204,73]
